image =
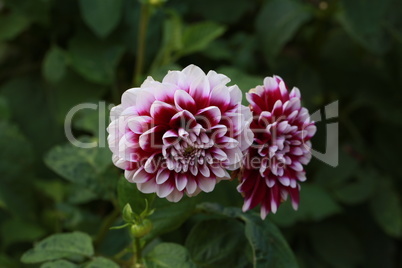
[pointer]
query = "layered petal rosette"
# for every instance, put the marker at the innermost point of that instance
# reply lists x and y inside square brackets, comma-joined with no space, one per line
[282,130]
[181,135]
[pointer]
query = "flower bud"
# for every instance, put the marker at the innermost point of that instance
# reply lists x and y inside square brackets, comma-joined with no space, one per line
[127,213]
[141,229]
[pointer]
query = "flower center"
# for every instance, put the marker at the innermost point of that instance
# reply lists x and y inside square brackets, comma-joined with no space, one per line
[189,153]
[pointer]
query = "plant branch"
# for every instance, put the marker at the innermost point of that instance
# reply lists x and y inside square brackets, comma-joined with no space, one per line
[107,223]
[138,251]
[141,40]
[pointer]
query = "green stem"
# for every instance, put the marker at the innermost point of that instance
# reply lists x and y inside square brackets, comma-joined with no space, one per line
[138,253]
[104,229]
[142,35]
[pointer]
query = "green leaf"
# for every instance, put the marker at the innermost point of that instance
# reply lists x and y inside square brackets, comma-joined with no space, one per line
[19,201]
[243,80]
[316,204]
[11,25]
[197,37]
[169,255]
[4,109]
[60,246]
[359,190]
[36,11]
[213,241]
[363,20]
[76,194]
[75,218]
[218,50]
[169,216]
[85,167]
[102,17]
[54,189]
[100,262]
[286,216]
[6,261]
[73,90]
[270,248]
[329,241]
[54,64]
[93,59]
[386,209]
[394,21]
[94,121]
[330,177]
[27,94]
[15,230]
[16,152]
[128,193]
[217,10]
[59,264]
[277,23]
[171,42]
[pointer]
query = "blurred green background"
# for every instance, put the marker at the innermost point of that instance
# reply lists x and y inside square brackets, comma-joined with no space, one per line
[55,54]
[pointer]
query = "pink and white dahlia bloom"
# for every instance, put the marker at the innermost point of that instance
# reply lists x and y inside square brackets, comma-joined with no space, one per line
[181,135]
[282,130]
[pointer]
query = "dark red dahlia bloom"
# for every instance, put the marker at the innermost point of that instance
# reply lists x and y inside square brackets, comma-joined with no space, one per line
[282,130]
[181,135]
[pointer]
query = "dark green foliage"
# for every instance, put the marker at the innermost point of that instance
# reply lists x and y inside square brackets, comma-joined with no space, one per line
[58,201]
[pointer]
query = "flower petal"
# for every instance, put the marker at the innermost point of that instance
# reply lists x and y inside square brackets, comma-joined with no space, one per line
[184,101]
[209,117]
[220,97]
[162,112]
[206,184]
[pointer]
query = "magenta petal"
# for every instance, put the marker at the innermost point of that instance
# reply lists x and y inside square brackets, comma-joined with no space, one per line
[163,91]
[143,101]
[236,95]
[170,137]
[277,109]
[141,176]
[265,119]
[175,196]
[151,140]
[256,196]
[218,154]
[191,186]
[184,101]
[219,131]
[139,124]
[216,80]
[162,112]
[256,102]
[206,184]
[227,143]
[129,98]
[164,190]
[152,163]
[183,119]
[200,90]
[181,181]
[204,170]
[209,117]
[220,97]
[294,195]
[217,170]
[147,187]
[162,176]
[175,78]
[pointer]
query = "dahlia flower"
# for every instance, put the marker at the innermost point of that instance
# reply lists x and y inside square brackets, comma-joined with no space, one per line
[181,135]
[274,163]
